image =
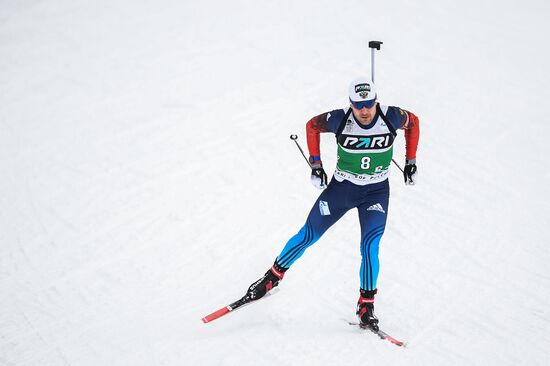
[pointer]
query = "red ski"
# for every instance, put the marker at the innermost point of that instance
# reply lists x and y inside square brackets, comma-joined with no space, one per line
[226,310]
[245,300]
[381,334]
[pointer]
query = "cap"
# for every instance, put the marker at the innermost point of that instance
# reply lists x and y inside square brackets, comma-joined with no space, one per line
[362,89]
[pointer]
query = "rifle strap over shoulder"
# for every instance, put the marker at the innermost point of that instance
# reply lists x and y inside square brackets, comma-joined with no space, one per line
[342,123]
[380,113]
[385,119]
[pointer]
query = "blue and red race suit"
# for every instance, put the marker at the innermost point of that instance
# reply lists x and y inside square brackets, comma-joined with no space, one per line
[360,181]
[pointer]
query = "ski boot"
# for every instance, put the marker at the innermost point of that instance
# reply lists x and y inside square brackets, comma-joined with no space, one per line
[268,281]
[365,310]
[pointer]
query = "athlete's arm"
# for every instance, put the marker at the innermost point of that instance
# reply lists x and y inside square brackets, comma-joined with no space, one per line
[412,135]
[408,121]
[326,122]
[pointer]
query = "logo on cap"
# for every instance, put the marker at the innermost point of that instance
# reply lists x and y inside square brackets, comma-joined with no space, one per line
[363,90]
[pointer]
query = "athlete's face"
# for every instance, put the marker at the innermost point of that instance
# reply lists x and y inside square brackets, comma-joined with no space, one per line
[364,115]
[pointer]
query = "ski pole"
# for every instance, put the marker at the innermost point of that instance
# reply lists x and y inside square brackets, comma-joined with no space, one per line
[376,45]
[294,138]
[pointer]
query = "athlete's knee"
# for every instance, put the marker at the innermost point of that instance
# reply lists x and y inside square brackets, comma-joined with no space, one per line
[372,235]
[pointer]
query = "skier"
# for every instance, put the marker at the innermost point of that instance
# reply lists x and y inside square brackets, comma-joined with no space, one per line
[365,132]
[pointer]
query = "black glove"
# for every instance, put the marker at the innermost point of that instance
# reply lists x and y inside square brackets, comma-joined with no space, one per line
[318,175]
[410,172]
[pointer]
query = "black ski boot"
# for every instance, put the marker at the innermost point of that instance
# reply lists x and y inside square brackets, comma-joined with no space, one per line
[365,310]
[269,280]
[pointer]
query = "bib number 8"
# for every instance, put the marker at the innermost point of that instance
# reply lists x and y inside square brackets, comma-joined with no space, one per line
[365,162]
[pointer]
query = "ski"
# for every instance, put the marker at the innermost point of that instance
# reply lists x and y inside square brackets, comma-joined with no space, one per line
[381,334]
[245,300]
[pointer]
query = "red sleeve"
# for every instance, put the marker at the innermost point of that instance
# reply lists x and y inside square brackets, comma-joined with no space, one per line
[412,134]
[314,127]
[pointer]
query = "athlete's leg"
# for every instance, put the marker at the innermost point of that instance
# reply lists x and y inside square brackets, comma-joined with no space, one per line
[372,216]
[329,208]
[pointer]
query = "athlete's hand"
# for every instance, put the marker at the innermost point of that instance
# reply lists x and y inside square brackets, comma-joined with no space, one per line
[410,172]
[318,176]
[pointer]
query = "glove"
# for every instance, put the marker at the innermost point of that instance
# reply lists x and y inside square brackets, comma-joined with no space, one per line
[410,172]
[318,175]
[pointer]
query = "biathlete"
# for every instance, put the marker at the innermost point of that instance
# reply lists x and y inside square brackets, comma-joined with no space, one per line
[365,132]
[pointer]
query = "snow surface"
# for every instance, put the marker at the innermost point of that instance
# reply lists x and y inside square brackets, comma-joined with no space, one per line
[148,179]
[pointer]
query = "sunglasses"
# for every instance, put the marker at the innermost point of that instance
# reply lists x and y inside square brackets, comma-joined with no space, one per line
[363,104]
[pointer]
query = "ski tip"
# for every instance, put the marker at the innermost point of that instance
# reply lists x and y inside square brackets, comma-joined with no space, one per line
[397,343]
[216,314]
[379,333]
[391,339]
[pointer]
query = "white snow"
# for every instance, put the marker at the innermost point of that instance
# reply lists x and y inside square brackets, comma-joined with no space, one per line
[147,179]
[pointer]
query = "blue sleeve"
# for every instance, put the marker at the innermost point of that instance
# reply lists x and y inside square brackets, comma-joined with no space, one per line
[333,119]
[396,116]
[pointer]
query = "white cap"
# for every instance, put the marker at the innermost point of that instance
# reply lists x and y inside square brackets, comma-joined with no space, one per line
[362,89]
